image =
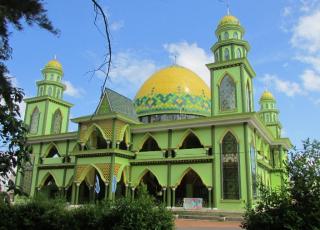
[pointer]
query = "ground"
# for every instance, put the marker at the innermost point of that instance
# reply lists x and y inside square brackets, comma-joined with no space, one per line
[205,224]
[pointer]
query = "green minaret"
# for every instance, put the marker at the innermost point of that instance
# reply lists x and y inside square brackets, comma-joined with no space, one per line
[269,113]
[231,73]
[48,113]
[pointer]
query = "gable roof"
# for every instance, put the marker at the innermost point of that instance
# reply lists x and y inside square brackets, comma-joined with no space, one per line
[113,102]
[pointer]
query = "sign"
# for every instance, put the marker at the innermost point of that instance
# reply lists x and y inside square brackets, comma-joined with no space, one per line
[114,184]
[192,203]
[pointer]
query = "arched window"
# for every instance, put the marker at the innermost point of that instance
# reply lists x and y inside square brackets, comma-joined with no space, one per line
[50,188]
[96,140]
[40,91]
[238,53]
[191,142]
[56,122]
[50,91]
[226,54]
[230,167]
[235,35]
[34,123]
[217,56]
[253,171]
[248,97]
[267,117]
[150,145]
[227,92]
[53,153]
[226,35]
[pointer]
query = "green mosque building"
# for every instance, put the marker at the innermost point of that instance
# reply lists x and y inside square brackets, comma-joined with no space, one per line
[179,137]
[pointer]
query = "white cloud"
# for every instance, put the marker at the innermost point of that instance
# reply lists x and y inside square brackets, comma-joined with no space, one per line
[311,80]
[116,25]
[129,71]
[191,56]
[313,60]
[287,87]
[73,91]
[306,33]
[287,11]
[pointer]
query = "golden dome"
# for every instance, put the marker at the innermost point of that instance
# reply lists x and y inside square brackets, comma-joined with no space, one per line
[267,95]
[54,64]
[173,90]
[229,20]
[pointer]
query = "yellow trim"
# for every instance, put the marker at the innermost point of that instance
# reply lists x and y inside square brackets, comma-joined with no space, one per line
[87,170]
[90,131]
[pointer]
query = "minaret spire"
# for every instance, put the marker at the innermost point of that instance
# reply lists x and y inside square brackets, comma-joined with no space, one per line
[228,7]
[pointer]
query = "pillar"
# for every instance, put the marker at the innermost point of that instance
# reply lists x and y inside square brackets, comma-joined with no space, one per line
[77,193]
[173,197]
[106,191]
[126,191]
[132,193]
[209,198]
[110,193]
[164,194]
[169,197]
[247,166]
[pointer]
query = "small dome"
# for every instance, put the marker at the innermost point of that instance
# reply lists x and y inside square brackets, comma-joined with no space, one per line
[267,95]
[54,64]
[173,90]
[229,20]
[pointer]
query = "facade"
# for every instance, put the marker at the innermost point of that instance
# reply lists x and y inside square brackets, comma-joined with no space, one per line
[179,137]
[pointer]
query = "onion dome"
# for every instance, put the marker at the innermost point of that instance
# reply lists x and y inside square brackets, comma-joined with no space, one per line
[229,20]
[54,65]
[267,95]
[173,90]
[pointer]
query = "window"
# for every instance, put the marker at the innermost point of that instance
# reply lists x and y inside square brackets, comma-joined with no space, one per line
[230,164]
[235,35]
[253,171]
[53,153]
[217,56]
[227,92]
[238,53]
[226,54]
[226,35]
[34,123]
[50,91]
[56,122]
[41,91]
[248,98]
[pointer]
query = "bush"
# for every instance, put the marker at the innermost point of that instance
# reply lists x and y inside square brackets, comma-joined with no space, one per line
[297,204]
[140,214]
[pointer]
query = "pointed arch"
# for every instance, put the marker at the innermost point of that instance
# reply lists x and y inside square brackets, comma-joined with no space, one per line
[190,140]
[87,170]
[34,120]
[45,177]
[56,122]
[239,53]
[124,137]
[144,172]
[91,129]
[227,93]
[233,134]
[230,167]
[49,150]
[185,172]
[123,171]
[148,143]
[76,148]
[226,54]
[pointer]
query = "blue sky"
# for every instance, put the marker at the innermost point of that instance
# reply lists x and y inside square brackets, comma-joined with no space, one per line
[146,35]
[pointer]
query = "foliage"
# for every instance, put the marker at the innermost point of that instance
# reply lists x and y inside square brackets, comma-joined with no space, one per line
[40,213]
[297,204]
[13,13]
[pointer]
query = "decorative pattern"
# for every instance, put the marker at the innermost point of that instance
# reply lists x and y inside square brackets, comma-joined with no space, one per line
[172,102]
[103,167]
[34,121]
[227,93]
[56,122]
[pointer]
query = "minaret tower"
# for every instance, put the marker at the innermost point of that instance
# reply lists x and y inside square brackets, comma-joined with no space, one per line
[269,113]
[48,113]
[231,72]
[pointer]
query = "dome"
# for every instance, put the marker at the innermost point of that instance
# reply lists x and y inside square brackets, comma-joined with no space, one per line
[229,20]
[173,90]
[267,95]
[54,64]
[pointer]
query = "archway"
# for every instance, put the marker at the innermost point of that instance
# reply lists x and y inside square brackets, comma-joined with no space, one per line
[191,186]
[50,188]
[121,188]
[53,152]
[191,141]
[150,145]
[96,140]
[153,186]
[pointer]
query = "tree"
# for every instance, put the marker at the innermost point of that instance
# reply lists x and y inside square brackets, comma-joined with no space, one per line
[297,204]
[12,131]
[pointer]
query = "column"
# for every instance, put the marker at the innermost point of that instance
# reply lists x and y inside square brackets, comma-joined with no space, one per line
[126,192]
[209,198]
[169,197]
[132,193]
[173,197]
[106,191]
[77,194]
[164,194]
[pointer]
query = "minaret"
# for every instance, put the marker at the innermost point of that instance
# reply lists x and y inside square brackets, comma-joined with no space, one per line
[269,113]
[231,72]
[48,113]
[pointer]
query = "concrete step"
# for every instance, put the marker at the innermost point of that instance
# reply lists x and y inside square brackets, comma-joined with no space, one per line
[208,215]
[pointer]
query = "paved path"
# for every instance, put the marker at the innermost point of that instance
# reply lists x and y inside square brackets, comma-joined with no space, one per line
[183,224]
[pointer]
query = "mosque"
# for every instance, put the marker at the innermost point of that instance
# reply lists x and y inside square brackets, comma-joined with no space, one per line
[179,137]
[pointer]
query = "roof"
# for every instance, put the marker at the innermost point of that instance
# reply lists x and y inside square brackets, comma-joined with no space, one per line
[113,102]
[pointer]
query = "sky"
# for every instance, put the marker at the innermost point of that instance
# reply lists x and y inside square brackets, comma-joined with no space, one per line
[149,35]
